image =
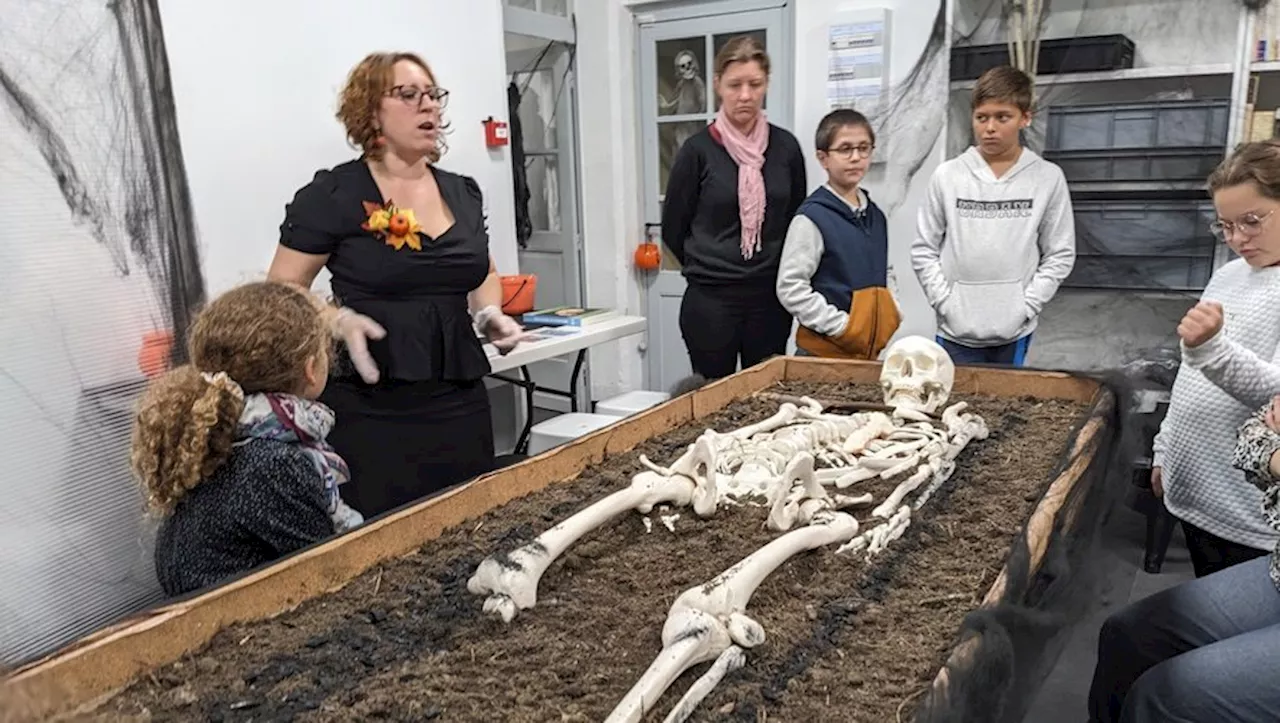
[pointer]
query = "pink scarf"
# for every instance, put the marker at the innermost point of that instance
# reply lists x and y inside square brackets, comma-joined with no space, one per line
[748,152]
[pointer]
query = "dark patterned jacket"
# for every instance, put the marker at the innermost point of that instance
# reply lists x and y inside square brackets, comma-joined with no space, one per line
[266,501]
[1255,445]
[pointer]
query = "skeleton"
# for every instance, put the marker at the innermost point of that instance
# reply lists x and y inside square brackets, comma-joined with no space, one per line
[772,463]
[690,94]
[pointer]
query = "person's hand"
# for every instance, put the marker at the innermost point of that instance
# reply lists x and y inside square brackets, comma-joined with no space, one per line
[1201,323]
[501,330]
[1272,416]
[1157,482]
[355,330]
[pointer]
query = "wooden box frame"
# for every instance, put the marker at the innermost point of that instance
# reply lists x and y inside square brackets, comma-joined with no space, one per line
[84,674]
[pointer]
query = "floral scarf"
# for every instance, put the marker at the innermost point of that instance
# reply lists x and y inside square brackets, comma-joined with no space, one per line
[306,423]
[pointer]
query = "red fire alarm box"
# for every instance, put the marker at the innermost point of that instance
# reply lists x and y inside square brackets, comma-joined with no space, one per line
[495,133]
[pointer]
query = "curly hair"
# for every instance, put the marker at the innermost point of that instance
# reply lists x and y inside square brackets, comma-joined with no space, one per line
[254,338]
[1257,163]
[367,84]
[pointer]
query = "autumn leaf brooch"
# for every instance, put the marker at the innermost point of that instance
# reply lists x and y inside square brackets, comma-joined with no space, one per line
[397,227]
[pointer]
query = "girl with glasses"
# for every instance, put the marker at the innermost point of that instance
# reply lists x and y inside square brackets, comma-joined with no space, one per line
[1204,650]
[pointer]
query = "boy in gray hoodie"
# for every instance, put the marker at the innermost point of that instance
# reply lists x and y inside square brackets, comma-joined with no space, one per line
[995,236]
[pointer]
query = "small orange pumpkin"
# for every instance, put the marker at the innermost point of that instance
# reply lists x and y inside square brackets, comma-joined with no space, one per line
[399,225]
[648,256]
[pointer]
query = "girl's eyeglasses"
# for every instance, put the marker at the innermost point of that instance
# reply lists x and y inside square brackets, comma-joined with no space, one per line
[1248,225]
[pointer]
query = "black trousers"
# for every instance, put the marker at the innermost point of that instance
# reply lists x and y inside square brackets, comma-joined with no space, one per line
[408,440]
[724,324]
[1210,553]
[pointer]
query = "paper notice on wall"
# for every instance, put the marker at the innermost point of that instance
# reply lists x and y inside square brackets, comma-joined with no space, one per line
[856,65]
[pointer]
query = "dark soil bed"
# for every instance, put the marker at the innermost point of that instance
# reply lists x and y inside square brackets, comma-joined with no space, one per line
[847,639]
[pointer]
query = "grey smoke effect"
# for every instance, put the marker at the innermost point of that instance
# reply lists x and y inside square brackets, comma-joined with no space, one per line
[89,82]
[909,121]
[691,383]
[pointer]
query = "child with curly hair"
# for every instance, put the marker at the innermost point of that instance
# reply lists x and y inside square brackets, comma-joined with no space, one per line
[230,449]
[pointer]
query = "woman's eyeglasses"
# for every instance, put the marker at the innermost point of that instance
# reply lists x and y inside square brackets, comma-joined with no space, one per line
[862,150]
[413,96]
[1248,225]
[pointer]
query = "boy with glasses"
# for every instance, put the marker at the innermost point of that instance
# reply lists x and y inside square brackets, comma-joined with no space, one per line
[834,273]
[995,236]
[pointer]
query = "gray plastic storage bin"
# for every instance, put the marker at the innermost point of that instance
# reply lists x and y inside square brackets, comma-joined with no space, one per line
[1158,124]
[1150,245]
[1134,228]
[1156,165]
[1140,273]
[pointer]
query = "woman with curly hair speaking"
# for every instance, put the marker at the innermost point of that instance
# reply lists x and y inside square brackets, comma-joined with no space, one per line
[408,248]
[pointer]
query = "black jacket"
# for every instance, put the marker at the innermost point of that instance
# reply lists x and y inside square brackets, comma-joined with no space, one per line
[266,501]
[700,222]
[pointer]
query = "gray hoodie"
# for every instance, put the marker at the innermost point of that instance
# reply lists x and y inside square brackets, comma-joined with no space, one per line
[991,252]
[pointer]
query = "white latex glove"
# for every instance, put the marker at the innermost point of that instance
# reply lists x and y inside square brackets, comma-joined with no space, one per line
[355,330]
[501,330]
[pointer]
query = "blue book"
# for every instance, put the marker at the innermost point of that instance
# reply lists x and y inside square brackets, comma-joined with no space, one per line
[567,316]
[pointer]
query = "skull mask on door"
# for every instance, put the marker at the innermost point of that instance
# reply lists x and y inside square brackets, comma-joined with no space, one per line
[917,373]
[686,65]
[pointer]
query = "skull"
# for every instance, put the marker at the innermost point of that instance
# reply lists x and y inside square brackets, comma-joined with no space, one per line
[917,373]
[686,65]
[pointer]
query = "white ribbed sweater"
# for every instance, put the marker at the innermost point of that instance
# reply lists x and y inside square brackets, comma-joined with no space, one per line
[1219,384]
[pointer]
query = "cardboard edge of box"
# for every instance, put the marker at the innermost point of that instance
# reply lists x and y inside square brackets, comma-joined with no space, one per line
[84,674]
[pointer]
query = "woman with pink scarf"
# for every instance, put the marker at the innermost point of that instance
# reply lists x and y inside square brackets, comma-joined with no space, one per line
[730,196]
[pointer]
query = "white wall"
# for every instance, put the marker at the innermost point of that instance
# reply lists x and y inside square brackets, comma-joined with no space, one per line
[256,107]
[610,180]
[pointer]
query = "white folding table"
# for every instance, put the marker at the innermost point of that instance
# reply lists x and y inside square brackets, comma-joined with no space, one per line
[553,342]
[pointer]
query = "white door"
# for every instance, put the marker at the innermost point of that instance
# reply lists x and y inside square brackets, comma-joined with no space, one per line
[544,77]
[676,100]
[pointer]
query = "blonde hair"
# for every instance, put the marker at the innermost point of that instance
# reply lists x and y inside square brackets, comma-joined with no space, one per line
[742,49]
[1257,163]
[254,338]
[367,84]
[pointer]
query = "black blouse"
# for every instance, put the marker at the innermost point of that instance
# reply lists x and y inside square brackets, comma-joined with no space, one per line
[419,297]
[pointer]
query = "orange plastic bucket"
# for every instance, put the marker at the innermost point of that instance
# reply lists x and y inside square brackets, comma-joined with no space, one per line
[153,356]
[517,293]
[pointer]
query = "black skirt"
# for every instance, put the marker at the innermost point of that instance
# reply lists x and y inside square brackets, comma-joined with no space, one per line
[408,440]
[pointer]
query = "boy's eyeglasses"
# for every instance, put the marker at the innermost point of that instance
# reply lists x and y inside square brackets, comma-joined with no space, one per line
[1248,225]
[848,152]
[413,96]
